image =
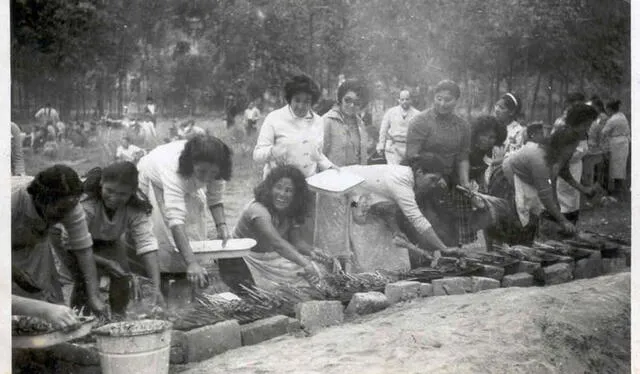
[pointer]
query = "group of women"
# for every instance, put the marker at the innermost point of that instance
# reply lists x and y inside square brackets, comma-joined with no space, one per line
[142,218]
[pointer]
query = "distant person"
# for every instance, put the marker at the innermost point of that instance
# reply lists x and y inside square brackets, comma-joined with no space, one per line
[507,110]
[392,139]
[252,115]
[47,114]
[150,110]
[617,135]
[594,137]
[128,152]
[230,109]
[61,131]
[52,134]
[17,154]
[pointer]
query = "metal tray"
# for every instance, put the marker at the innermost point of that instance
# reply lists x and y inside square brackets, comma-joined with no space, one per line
[54,337]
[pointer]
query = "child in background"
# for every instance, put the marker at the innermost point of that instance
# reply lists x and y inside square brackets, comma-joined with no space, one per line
[252,114]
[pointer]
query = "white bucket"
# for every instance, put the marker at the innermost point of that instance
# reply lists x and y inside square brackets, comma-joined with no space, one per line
[136,347]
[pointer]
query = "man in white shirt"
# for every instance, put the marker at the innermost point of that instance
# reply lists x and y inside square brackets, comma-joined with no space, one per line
[393,129]
[47,114]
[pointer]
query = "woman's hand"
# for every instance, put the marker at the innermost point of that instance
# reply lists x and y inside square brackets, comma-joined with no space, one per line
[313,273]
[319,256]
[58,315]
[197,275]
[98,307]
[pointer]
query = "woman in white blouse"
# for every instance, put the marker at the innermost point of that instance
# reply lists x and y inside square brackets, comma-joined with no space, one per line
[181,178]
[294,134]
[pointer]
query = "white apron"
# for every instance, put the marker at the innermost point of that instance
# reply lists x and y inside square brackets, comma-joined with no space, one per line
[197,220]
[618,156]
[569,197]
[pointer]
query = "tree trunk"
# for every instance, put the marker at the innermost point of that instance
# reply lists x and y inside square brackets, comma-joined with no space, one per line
[532,108]
[550,100]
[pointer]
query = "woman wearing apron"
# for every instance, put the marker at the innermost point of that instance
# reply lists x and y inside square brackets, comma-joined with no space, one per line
[182,179]
[617,135]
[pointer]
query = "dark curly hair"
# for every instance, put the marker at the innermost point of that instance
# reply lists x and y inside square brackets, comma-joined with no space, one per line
[557,141]
[55,183]
[301,83]
[205,148]
[263,193]
[485,124]
[614,105]
[120,172]
[355,86]
[581,113]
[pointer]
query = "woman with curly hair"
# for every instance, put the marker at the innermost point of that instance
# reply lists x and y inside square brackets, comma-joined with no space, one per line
[273,219]
[114,207]
[51,198]
[181,179]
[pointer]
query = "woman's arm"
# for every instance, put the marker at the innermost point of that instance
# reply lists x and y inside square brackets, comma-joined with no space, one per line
[463,171]
[217,212]
[268,233]
[298,241]
[565,174]
[59,315]
[87,265]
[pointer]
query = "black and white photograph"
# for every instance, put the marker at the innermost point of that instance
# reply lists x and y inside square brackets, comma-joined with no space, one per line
[318,186]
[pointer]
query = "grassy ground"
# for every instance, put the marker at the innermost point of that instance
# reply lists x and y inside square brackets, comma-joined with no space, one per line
[101,151]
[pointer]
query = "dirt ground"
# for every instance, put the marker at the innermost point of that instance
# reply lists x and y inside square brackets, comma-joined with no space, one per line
[578,327]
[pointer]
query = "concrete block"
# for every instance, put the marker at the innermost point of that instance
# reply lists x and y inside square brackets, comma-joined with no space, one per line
[178,350]
[481,283]
[401,291]
[367,302]
[264,329]
[293,325]
[614,264]
[451,286]
[208,341]
[528,267]
[80,354]
[556,273]
[491,271]
[588,267]
[314,315]
[425,290]
[518,280]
